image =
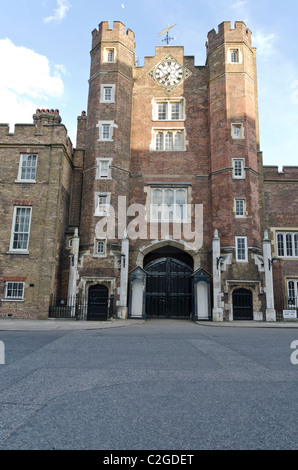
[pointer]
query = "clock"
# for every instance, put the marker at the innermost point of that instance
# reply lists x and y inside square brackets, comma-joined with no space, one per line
[169,73]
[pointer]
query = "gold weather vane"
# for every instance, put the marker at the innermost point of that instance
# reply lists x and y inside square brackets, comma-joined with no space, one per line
[167,39]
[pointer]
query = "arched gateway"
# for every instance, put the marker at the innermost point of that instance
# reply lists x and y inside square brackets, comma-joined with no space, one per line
[169,290]
[168,287]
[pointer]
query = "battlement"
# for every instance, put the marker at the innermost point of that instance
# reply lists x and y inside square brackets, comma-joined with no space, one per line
[287,173]
[227,34]
[117,33]
[45,130]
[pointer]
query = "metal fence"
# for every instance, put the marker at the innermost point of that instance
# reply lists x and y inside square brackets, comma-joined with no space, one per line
[77,307]
[286,308]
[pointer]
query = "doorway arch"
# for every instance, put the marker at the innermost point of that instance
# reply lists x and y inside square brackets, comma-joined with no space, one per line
[98,297]
[242,304]
[169,286]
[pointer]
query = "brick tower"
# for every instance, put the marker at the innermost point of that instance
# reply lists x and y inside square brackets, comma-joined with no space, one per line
[234,145]
[107,149]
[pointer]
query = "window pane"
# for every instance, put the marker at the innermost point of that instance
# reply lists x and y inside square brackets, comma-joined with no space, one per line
[159,141]
[169,197]
[181,204]
[234,55]
[157,196]
[241,249]
[100,247]
[291,289]
[280,244]
[28,167]
[168,206]
[108,93]
[239,207]
[162,111]
[110,56]
[236,132]
[175,110]
[103,205]
[181,196]
[178,141]
[106,131]
[169,141]
[14,290]
[296,244]
[21,228]
[289,247]
[238,167]
[292,294]
[104,169]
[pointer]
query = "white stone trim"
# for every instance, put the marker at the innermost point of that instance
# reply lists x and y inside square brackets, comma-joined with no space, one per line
[102,93]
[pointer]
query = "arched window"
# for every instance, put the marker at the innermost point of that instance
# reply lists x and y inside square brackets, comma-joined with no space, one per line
[178,141]
[169,141]
[159,141]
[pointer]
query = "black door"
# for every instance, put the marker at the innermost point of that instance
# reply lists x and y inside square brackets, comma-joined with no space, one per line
[98,296]
[168,289]
[242,304]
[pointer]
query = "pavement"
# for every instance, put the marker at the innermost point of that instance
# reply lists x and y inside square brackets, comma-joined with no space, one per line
[14,324]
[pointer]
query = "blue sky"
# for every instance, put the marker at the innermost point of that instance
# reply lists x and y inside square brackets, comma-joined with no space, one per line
[45,44]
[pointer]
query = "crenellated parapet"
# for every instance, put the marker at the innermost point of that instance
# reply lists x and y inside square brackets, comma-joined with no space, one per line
[228,34]
[117,33]
[287,173]
[45,130]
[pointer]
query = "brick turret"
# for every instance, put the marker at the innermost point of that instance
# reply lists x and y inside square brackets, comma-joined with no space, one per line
[233,131]
[107,140]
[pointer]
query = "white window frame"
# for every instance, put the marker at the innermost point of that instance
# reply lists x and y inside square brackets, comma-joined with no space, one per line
[106,55]
[295,289]
[164,133]
[22,157]
[14,299]
[231,51]
[164,209]
[103,94]
[13,231]
[238,248]
[237,126]
[243,204]
[168,109]
[240,176]
[99,174]
[104,212]
[101,126]
[102,254]
[287,242]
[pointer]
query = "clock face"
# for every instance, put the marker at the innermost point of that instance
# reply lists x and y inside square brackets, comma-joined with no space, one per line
[169,73]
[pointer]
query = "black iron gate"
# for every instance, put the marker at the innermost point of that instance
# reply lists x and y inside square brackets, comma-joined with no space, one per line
[98,296]
[242,304]
[168,289]
[100,307]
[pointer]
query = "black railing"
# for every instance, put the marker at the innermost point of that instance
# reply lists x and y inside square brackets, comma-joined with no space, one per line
[78,307]
[286,308]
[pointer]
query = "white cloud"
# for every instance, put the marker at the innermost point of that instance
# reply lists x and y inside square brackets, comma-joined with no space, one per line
[239,4]
[60,12]
[26,82]
[265,43]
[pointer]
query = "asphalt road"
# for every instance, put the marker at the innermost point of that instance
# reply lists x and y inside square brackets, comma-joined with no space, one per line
[157,385]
